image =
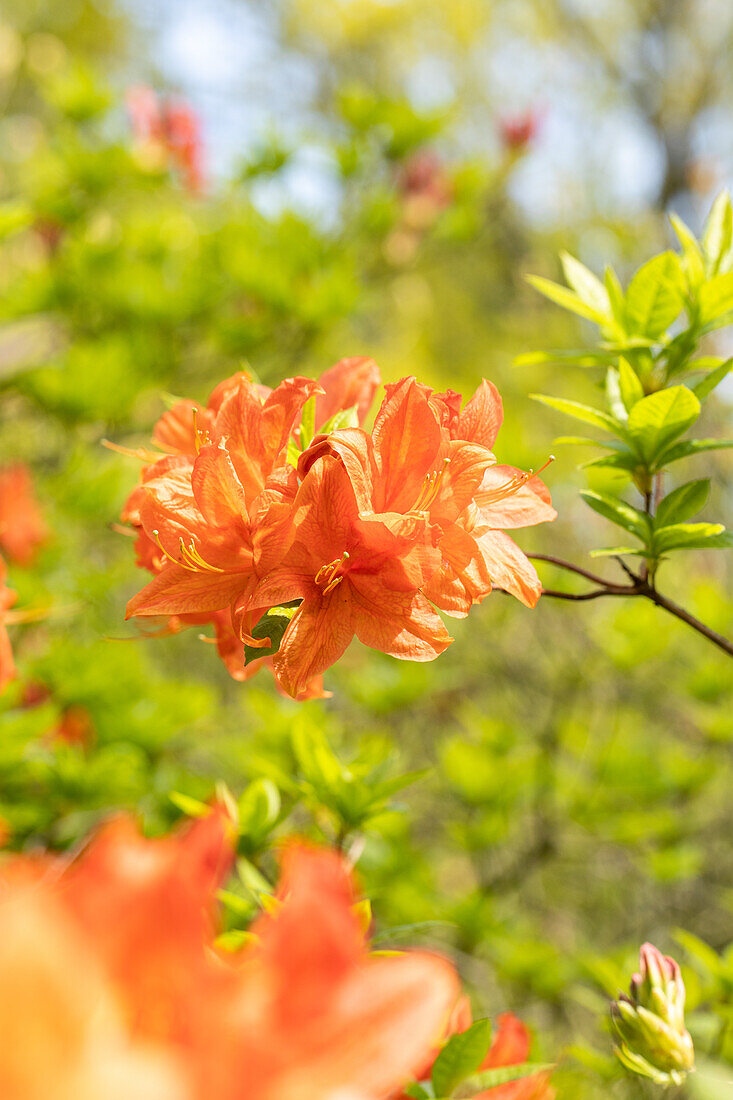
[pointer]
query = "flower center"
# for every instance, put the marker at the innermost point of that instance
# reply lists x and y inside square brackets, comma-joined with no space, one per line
[330,576]
[430,488]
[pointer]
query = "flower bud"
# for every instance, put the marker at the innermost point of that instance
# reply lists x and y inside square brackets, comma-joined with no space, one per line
[649,1025]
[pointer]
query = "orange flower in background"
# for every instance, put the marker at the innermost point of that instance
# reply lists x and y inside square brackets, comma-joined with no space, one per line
[110,985]
[22,529]
[171,128]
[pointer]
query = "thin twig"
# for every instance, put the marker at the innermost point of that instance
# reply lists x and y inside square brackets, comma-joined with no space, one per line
[561,564]
[640,586]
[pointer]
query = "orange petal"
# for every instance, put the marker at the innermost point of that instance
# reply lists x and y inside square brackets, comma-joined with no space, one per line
[178,591]
[319,633]
[529,504]
[348,383]
[482,416]
[216,489]
[509,568]
[406,441]
[401,624]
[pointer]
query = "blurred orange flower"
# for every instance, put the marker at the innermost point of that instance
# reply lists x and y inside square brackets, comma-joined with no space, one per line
[22,529]
[110,984]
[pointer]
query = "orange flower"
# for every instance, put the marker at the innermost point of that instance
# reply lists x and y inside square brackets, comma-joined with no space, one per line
[233,449]
[324,1018]
[172,128]
[371,532]
[22,529]
[510,1047]
[109,985]
[355,575]
[7,599]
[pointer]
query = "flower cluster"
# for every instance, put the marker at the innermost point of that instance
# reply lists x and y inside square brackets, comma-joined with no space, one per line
[279,500]
[170,131]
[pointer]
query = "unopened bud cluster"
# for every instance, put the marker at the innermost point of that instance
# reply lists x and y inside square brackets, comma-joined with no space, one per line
[651,1038]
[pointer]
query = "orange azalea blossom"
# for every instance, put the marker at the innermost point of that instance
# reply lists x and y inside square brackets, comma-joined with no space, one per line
[371,533]
[22,530]
[510,1047]
[233,452]
[110,984]
[388,527]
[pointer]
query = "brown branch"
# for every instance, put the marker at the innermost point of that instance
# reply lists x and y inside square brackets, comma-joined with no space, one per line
[640,586]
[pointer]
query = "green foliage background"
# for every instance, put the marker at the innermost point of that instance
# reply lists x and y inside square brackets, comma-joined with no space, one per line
[573,795]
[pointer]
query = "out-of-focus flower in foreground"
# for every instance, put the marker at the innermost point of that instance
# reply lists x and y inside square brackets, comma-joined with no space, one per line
[22,528]
[111,984]
[280,501]
[651,1038]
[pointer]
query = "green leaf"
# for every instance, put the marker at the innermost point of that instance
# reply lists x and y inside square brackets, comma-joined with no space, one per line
[718,232]
[580,412]
[682,503]
[707,384]
[272,625]
[716,298]
[586,285]
[578,357]
[691,447]
[692,259]
[655,296]
[616,298]
[619,512]
[307,423]
[613,395]
[657,420]
[616,551]
[344,418]
[417,1091]
[630,387]
[461,1055]
[568,299]
[259,807]
[691,536]
[699,950]
[191,807]
[625,460]
[500,1075]
[14,215]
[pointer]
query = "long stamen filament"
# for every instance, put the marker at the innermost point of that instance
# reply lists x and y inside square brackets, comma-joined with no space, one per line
[430,488]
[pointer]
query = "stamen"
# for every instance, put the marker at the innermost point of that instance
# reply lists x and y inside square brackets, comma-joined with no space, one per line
[501,492]
[194,559]
[144,454]
[430,488]
[159,544]
[328,576]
